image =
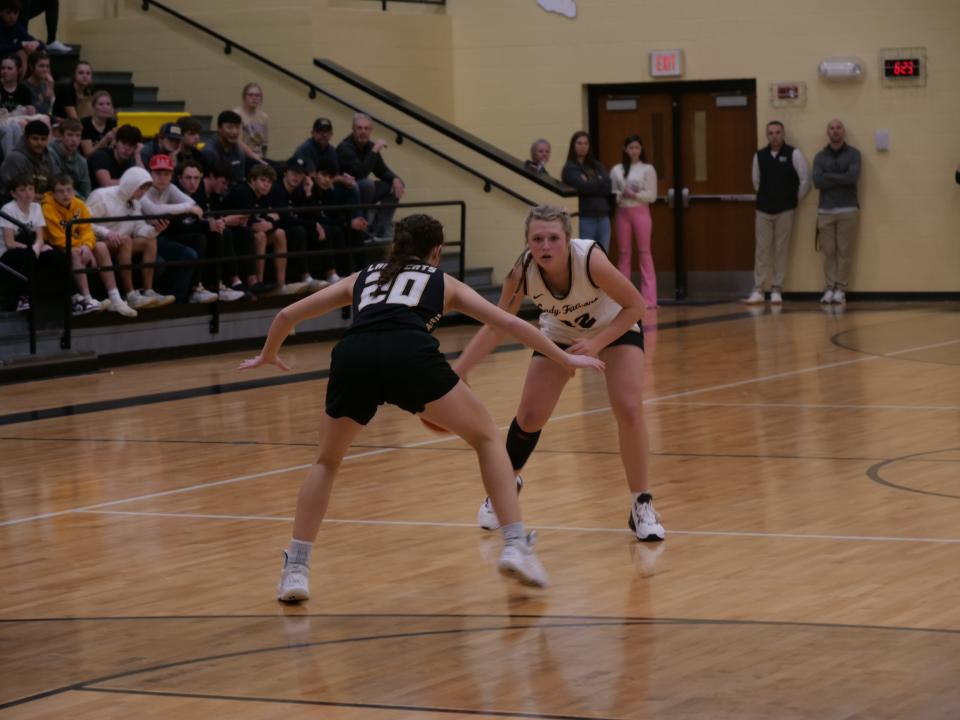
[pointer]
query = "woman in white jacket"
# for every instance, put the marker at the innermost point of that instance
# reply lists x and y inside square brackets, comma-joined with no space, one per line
[127,237]
[634,182]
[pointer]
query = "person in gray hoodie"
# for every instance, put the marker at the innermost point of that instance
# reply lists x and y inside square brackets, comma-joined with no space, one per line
[69,159]
[836,170]
[30,158]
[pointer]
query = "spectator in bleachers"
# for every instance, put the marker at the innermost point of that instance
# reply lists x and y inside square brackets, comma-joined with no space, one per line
[68,158]
[18,244]
[30,158]
[51,11]
[165,198]
[15,97]
[167,141]
[254,122]
[39,81]
[261,231]
[14,38]
[60,206]
[76,99]
[302,230]
[341,228]
[190,129]
[317,149]
[99,129]
[539,157]
[126,238]
[360,157]
[225,148]
[107,165]
[207,192]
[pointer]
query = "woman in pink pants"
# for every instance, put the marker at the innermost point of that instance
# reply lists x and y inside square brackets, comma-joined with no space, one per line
[635,183]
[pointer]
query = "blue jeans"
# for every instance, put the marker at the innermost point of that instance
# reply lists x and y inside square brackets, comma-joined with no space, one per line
[597,229]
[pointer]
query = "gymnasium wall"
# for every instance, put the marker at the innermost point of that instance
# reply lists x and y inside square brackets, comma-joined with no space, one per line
[508,71]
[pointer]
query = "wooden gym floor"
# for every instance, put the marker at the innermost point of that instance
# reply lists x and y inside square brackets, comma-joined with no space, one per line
[805,464]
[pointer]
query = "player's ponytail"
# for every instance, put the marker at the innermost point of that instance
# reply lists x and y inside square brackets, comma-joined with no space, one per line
[414,238]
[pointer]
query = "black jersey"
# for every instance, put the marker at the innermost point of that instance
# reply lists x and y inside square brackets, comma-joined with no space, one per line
[414,300]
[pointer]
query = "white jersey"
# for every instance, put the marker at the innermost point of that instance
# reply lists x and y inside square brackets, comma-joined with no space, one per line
[584,311]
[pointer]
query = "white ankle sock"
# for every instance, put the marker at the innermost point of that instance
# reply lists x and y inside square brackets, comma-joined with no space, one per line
[299,552]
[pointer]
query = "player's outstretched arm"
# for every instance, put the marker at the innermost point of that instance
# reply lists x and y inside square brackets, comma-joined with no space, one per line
[483,343]
[465,299]
[319,303]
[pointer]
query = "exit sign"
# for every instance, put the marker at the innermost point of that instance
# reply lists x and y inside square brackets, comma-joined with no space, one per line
[666,63]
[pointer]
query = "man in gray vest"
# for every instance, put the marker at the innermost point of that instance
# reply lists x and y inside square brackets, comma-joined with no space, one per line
[781,179]
[836,170]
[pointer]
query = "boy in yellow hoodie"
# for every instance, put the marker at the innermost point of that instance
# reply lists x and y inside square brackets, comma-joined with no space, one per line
[61,205]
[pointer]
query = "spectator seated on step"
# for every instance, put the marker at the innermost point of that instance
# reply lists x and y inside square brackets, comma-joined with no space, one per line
[344,228]
[360,156]
[39,81]
[23,248]
[255,123]
[207,190]
[51,12]
[190,129]
[167,141]
[74,99]
[14,38]
[30,158]
[184,238]
[107,165]
[99,129]
[68,158]
[127,238]
[15,108]
[260,232]
[60,206]
[225,148]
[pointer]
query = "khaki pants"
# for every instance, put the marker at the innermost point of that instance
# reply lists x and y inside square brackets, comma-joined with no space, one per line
[836,233]
[772,250]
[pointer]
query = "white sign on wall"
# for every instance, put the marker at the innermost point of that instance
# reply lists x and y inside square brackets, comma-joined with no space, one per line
[666,63]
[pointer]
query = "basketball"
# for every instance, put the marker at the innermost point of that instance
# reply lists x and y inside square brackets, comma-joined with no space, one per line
[433,426]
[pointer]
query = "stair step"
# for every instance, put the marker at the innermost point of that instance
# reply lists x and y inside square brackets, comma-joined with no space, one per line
[112,78]
[145,94]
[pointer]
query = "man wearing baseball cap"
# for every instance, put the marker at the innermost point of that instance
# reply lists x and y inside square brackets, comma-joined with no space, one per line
[166,142]
[318,151]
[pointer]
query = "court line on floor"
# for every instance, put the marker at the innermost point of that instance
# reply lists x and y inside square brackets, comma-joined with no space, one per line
[552,528]
[811,406]
[567,416]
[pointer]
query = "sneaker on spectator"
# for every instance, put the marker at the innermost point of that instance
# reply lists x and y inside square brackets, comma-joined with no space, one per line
[228,295]
[520,562]
[136,299]
[827,297]
[262,288]
[84,305]
[839,297]
[294,585]
[158,299]
[333,278]
[487,517]
[23,304]
[756,298]
[201,295]
[57,47]
[776,298]
[289,289]
[313,284]
[118,307]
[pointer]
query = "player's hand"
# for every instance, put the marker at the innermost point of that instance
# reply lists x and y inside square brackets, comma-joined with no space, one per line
[260,360]
[578,362]
[584,347]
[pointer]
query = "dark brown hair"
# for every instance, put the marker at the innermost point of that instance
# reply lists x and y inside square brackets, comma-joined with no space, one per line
[414,238]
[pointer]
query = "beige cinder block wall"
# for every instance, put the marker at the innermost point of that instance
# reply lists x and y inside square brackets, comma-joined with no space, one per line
[509,72]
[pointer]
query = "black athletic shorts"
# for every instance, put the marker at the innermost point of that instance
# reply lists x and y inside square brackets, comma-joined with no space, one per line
[401,367]
[630,337]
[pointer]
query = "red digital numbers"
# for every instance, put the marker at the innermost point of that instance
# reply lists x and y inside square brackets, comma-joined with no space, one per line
[903,67]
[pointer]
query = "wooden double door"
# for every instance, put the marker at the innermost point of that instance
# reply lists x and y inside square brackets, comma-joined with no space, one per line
[700,137]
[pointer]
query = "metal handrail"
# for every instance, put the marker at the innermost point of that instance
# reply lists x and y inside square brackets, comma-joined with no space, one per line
[31,283]
[229,46]
[66,338]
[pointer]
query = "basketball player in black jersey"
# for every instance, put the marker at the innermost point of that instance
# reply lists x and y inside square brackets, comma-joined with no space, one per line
[388,355]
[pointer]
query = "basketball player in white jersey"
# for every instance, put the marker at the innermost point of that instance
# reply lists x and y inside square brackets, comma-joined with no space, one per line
[389,355]
[588,308]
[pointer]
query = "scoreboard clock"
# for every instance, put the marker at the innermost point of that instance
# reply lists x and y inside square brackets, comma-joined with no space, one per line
[903,67]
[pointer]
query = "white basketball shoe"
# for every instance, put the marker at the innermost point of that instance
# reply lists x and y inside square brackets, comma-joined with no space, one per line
[487,517]
[520,562]
[645,521]
[294,583]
